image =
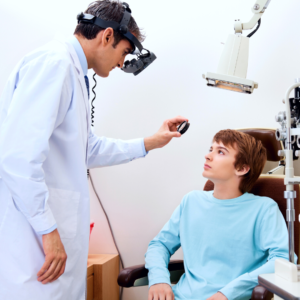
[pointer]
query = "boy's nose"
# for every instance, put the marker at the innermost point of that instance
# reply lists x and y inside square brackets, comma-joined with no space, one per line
[208,156]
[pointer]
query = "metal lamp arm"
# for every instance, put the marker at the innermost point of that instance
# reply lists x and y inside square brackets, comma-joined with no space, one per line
[258,9]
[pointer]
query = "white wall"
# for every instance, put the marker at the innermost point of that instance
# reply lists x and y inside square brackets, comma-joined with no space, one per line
[186,36]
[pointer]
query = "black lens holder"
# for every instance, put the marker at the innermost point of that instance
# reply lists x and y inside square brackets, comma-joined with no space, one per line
[183,127]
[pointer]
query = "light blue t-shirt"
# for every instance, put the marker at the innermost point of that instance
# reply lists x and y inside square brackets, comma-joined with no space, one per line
[226,245]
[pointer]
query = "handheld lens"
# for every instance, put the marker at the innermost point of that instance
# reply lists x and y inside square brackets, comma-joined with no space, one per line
[183,127]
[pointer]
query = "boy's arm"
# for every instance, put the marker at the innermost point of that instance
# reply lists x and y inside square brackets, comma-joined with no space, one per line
[162,247]
[271,236]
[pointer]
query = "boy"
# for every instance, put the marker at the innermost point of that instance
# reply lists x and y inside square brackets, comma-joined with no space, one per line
[228,235]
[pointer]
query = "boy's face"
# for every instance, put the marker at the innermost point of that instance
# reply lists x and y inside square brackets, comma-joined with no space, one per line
[219,163]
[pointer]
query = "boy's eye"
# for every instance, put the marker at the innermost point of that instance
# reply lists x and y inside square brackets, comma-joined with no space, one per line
[221,152]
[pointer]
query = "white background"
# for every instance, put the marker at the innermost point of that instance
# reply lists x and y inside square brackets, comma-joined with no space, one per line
[186,36]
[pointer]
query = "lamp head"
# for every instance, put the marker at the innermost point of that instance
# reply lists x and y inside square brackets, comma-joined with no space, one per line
[230,83]
[233,65]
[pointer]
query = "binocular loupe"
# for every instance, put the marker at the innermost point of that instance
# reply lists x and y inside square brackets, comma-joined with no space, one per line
[143,60]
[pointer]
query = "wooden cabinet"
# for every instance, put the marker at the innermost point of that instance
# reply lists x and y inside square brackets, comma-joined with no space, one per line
[102,275]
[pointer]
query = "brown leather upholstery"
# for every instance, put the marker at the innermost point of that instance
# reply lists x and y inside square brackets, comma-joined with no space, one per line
[260,293]
[268,139]
[128,276]
[272,187]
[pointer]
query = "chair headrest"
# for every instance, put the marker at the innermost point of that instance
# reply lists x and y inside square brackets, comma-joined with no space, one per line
[268,139]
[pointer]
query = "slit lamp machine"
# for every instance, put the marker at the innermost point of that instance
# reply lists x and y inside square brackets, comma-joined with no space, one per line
[231,75]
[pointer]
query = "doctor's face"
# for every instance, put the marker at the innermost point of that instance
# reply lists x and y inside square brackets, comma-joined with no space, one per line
[219,163]
[109,57]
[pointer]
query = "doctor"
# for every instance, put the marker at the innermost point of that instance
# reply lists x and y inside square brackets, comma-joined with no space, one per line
[46,147]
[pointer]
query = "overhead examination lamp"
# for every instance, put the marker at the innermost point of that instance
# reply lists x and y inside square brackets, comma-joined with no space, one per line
[232,70]
[135,66]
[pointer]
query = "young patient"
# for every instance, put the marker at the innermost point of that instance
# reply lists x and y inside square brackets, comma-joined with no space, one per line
[227,235]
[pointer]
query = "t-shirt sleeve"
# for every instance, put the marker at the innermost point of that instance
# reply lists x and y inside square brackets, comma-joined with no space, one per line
[162,247]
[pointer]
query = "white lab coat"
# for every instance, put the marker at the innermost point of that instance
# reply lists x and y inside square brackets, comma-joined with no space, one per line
[46,146]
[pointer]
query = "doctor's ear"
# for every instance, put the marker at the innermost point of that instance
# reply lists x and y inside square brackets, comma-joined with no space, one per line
[108,36]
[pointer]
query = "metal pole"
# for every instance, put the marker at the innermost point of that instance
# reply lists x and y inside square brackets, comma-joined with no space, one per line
[290,217]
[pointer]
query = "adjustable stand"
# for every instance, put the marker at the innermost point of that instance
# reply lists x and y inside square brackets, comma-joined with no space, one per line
[285,282]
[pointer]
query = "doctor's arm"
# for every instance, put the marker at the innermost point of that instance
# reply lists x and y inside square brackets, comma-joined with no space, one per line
[104,151]
[271,236]
[38,101]
[160,249]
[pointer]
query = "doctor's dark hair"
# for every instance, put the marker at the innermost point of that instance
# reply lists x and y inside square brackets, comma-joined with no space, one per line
[250,152]
[108,11]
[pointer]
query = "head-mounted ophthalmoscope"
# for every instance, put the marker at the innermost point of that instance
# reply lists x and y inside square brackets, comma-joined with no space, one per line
[135,66]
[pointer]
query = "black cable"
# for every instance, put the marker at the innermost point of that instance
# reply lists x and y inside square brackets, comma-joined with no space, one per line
[92,110]
[89,176]
[251,33]
[111,231]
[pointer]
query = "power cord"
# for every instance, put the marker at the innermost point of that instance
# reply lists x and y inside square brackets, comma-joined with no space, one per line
[251,33]
[92,110]
[93,90]
[90,176]
[111,231]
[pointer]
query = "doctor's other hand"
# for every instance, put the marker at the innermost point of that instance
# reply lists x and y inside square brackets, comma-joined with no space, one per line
[166,132]
[217,296]
[55,258]
[160,291]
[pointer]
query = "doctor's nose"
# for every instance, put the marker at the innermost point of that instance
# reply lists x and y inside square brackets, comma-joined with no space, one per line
[121,63]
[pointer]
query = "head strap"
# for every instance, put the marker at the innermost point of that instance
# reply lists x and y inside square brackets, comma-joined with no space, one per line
[122,27]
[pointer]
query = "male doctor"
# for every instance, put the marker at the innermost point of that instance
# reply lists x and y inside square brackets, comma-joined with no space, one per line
[46,147]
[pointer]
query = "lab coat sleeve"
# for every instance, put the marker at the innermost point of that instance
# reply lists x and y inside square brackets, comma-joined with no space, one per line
[162,247]
[271,236]
[41,98]
[104,151]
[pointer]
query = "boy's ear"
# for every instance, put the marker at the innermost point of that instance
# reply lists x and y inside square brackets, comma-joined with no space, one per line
[242,171]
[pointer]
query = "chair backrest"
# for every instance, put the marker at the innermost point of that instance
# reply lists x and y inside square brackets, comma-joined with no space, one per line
[272,186]
[268,139]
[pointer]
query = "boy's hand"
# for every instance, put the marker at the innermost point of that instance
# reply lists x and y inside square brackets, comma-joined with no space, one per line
[217,296]
[161,291]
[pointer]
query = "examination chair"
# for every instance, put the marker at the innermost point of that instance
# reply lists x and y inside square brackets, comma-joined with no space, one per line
[267,185]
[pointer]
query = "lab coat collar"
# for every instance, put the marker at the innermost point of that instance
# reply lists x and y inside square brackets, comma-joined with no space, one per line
[81,79]
[80,53]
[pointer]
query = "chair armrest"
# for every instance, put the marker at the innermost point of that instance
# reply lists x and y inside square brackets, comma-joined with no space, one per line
[261,293]
[130,275]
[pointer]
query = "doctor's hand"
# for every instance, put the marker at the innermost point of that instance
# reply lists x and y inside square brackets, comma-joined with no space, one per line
[160,291]
[217,296]
[163,136]
[55,258]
